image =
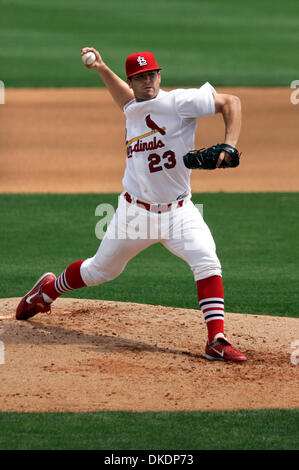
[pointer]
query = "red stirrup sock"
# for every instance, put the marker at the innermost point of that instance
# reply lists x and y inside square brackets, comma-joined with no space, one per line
[68,280]
[211,302]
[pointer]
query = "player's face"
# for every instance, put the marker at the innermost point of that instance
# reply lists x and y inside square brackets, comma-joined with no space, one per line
[145,85]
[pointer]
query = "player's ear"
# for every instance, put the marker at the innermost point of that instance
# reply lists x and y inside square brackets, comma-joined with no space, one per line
[129,82]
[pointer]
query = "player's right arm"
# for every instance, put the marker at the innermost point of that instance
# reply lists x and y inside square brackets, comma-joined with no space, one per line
[118,88]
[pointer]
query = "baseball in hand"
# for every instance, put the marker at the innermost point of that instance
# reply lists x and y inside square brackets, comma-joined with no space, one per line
[89,58]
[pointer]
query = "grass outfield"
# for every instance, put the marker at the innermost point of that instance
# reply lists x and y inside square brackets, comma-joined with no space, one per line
[238,430]
[255,235]
[227,43]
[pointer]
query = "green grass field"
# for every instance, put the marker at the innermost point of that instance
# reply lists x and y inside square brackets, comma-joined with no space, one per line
[239,430]
[226,43]
[48,232]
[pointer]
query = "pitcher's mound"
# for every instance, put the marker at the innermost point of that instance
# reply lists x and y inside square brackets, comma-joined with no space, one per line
[91,355]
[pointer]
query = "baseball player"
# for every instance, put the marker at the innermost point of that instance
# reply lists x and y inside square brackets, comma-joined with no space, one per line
[155,205]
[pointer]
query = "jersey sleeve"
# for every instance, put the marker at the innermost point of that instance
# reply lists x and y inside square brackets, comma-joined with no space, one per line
[195,102]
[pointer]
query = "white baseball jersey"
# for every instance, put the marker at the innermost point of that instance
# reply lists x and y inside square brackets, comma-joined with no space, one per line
[158,133]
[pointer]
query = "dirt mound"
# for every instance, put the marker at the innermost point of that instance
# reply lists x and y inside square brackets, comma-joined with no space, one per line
[100,355]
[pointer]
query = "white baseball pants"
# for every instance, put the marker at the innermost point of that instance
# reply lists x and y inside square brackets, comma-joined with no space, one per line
[181,230]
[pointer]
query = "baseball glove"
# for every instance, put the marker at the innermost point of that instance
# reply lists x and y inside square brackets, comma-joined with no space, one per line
[206,159]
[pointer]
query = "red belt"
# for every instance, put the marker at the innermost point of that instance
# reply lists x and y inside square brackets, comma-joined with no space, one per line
[154,207]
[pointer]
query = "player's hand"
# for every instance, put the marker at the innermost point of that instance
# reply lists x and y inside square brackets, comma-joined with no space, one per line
[98,62]
[223,156]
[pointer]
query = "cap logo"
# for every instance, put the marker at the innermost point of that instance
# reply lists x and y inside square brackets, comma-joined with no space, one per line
[141,61]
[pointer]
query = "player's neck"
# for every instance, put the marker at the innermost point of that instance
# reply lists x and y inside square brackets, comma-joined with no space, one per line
[139,99]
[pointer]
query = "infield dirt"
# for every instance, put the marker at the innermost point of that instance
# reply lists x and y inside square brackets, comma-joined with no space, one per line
[97,355]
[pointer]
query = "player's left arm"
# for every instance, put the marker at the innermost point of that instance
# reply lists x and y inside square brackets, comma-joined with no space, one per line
[230,108]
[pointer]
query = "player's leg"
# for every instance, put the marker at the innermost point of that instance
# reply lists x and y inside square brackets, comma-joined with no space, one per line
[126,236]
[191,240]
[118,246]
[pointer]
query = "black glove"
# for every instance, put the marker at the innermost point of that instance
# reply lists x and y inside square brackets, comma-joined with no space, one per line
[206,159]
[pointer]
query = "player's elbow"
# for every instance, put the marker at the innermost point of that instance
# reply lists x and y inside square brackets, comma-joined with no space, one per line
[235,102]
[224,102]
[233,105]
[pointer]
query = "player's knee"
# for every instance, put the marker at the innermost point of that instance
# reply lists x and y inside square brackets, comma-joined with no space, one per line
[94,274]
[207,270]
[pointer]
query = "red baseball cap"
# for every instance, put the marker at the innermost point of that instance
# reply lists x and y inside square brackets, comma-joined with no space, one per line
[140,62]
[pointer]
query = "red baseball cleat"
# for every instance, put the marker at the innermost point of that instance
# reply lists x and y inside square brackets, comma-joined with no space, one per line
[33,302]
[220,349]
